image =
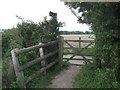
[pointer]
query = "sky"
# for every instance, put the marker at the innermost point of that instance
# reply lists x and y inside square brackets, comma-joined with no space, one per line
[36,10]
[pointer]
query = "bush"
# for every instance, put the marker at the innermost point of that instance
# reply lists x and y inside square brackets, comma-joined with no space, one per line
[28,33]
[104,20]
[90,77]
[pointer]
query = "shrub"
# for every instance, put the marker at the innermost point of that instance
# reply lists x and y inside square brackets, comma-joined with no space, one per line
[90,77]
[28,33]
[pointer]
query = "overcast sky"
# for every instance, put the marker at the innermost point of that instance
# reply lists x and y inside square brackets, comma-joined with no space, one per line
[36,10]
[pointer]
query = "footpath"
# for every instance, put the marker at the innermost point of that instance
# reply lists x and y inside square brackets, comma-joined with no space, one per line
[65,78]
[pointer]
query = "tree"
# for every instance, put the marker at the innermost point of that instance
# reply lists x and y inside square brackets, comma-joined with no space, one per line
[104,19]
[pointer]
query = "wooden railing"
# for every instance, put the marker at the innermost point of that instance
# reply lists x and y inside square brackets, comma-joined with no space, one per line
[60,41]
[19,68]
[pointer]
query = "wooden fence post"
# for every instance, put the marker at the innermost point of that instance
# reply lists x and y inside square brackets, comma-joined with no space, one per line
[44,62]
[19,74]
[61,43]
[79,42]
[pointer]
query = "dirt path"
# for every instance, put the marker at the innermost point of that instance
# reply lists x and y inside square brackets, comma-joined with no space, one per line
[65,78]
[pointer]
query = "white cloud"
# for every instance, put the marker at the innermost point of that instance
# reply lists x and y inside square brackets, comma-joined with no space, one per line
[36,10]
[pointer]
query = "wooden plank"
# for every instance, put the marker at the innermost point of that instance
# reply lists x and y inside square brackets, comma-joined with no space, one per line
[88,41]
[70,48]
[41,55]
[75,48]
[88,45]
[85,59]
[76,54]
[20,51]
[85,41]
[76,59]
[43,62]
[61,43]
[73,40]
[79,42]
[72,56]
[69,44]
[40,71]
[74,64]
[19,74]
[37,60]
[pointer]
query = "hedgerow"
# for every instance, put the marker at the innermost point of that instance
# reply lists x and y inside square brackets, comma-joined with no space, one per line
[26,34]
[104,19]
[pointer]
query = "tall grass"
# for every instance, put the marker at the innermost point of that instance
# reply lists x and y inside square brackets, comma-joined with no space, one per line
[95,78]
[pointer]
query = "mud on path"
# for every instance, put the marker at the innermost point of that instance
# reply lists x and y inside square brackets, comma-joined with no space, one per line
[65,78]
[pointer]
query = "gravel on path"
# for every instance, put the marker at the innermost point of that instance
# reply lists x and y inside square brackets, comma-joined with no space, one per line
[65,78]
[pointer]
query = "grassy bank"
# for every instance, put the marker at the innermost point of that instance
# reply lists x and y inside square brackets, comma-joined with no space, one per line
[95,78]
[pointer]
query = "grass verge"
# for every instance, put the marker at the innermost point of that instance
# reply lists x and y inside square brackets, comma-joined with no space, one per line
[95,78]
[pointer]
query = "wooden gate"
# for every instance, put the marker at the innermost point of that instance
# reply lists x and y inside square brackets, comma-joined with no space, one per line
[71,51]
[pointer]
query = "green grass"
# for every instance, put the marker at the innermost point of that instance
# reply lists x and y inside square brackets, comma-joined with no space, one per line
[66,51]
[84,52]
[95,78]
[79,51]
[44,80]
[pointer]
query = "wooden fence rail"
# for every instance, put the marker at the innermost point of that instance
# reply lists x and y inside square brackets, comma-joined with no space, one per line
[19,68]
[85,41]
[20,51]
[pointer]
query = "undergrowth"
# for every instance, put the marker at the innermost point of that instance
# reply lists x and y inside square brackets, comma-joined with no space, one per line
[45,79]
[90,77]
[42,81]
